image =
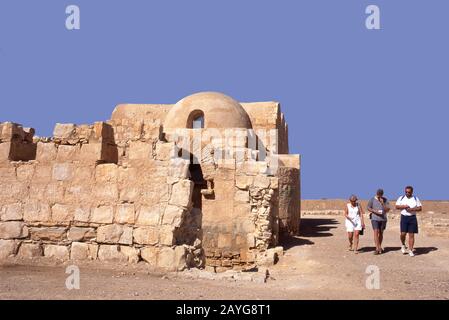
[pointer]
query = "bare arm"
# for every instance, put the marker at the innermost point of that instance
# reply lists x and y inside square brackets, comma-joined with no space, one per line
[416,209]
[370,209]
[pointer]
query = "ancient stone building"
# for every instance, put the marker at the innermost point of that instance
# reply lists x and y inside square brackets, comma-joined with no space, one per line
[207,181]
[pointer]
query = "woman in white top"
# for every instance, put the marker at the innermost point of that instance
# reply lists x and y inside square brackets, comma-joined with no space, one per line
[354,222]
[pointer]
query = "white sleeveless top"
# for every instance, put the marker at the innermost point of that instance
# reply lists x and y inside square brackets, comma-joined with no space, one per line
[353,212]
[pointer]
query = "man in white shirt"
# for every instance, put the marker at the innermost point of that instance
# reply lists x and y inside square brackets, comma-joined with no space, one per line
[409,206]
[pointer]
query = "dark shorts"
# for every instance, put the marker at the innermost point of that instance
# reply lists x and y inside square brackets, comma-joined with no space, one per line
[409,224]
[378,225]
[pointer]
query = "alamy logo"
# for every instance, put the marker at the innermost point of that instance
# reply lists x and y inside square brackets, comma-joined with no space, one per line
[372,22]
[72,22]
[373,280]
[73,280]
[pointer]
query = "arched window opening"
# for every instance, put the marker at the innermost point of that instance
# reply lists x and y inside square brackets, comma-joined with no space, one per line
[196,120]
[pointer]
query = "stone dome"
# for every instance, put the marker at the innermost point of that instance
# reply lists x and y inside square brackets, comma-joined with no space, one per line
[216,109]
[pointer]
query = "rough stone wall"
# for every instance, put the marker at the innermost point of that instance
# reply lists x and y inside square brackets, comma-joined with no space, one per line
[238,212]
[69,203]
[116,191]
[289,194]
[266,116]
[16,142]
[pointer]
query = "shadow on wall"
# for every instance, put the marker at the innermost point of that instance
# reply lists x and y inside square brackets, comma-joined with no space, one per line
[317,227]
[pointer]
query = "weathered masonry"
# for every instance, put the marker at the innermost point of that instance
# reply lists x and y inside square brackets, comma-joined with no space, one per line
[207,181]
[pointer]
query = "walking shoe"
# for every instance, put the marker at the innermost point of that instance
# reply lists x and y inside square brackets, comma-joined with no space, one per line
[410,253]
[404,249]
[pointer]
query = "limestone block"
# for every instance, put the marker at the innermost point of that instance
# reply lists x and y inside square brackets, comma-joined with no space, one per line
[62,171]
[84,173]
[56,252]
[54,192]
[262,182]
[90,152]
[82,214]
[251,240]
[11,212]
[243,182]
[182,193]
[111,253]
[224,191]
[8,248]
[242,210]
[125,214]
[13,230]
[8,174]
[241,196]
[178,168]
[42,173]
[83,251]
[30,250]
[114,234]
[166,235]
[63,130]
[107,192]
[245,225]
[173,216]
[150,254]
[224,240]
[81,234]
[139,150]
[48,233]
[146,235]
[133,254]
[24,172]
[166,259]
[4,151]
[46,152]
[107,172]
[13,191]
[165,151]
[103,214]
[155,192]
[130,194]
[127,236]
[148,216]
[35,211]
[37,190]
[61,213]
[78,193]
[67,153]
[268,258]
[180,258]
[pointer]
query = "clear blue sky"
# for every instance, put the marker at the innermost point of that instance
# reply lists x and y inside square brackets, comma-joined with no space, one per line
[366,108]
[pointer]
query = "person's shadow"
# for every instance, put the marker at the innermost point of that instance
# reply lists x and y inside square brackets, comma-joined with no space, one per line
[418,251]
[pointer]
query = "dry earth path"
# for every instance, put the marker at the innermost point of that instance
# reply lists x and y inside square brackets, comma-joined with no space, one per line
[316,265]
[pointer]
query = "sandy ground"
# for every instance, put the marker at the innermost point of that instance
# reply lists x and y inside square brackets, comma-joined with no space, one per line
[316,265]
